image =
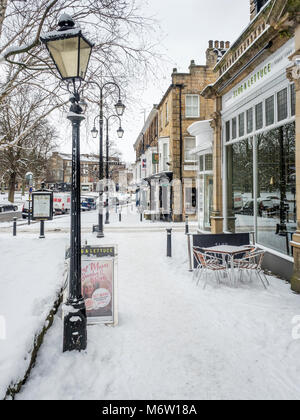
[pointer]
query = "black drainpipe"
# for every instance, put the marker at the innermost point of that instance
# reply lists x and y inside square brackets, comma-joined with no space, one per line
[180,86]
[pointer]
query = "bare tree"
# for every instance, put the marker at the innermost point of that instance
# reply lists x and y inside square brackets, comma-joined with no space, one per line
[122,52]
[116,27]
[30,136]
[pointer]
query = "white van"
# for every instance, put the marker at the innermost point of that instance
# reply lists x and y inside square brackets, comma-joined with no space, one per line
[61,203]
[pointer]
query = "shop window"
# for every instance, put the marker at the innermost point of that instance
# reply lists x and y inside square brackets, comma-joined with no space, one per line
[233,127]
[189,145]
[293,100]
[190,199]
[259,116]
[192,106]
[241,125]
[276,201]
[165,156]
[270,111]
[201,164]
[282,107]
[260,4]
[240,197]
[228,131]
[209,162]
[249,120]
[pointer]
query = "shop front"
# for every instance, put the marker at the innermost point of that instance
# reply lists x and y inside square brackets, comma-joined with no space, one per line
[203,132]
[160,197]
[259,170]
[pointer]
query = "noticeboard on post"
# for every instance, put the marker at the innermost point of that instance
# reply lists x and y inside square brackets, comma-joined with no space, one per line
[99,284]
[42,205]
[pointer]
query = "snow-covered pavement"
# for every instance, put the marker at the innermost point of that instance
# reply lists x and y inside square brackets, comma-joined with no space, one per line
[174,340]
[31,276]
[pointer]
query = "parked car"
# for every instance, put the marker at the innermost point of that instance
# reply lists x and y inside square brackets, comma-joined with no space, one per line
[91,202]
[85,205]
[238,201]
[266,207]
[8,207]
[248,208]
[25,209]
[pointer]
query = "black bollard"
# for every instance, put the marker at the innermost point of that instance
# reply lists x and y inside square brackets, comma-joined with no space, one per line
[42,230]
[169,242]
[29,208]
[15,227]
[141,216]
[186,224]
[120,217]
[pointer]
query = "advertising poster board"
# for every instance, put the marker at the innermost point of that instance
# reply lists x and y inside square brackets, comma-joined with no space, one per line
[99,284]
[42,206]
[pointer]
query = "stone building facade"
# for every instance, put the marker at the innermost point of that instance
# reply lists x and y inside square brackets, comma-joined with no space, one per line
[256,135]
[165,134]
[60,170]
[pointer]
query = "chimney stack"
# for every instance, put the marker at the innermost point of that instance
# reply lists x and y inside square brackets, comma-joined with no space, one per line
[210,44]
[227,45]
[222,43]
[217,44]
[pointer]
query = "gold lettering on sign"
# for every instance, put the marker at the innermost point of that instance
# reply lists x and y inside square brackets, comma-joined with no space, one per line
[252,80]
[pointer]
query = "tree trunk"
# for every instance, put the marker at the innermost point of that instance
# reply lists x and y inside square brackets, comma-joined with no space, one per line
[3,6]
[12,183]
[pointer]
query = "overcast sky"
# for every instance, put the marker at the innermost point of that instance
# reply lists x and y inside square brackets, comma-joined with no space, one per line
[186,28]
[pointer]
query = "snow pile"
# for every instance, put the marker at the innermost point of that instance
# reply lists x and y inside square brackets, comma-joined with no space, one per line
[31,275]
[174,340]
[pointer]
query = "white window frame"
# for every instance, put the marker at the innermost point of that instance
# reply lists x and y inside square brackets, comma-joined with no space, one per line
[162,158]
[188,159]
[196,115]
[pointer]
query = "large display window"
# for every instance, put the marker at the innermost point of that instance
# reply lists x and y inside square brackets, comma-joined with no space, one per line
[261,187]
[276,192]
[205,184]
[240,192]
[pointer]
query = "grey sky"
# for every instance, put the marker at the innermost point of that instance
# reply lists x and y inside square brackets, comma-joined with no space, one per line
[186,28]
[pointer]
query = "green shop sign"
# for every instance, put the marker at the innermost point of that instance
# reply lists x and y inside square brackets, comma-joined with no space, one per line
[155,158]
[252,80]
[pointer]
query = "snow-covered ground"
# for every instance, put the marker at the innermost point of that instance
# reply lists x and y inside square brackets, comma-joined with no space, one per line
[31,275]
[174,340]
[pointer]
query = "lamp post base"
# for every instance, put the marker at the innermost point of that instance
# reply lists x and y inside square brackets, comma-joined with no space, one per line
[75,327]
[100,233]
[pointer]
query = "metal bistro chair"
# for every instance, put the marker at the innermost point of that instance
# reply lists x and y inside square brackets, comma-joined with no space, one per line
[252,263]
[207,263]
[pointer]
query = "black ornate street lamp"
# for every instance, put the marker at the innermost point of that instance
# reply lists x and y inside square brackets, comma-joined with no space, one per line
[71,51]
[120,109]
[120,133]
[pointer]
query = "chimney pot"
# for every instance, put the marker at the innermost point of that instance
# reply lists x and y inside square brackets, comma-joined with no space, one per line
[216,44]
[192,62]
[175,70]
[210,44]
[227,44]
[222,43]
